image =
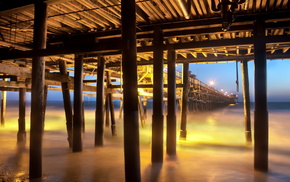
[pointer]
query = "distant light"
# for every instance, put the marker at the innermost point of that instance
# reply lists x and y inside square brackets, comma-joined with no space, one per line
[211,82]
[222,90]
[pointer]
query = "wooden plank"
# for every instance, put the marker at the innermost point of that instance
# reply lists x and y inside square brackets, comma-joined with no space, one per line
[15,6]
[15,70]
[26,73]
[113,48]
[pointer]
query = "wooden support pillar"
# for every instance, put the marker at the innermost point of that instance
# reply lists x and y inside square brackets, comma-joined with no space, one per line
[83,120]
[121,108]
[261,114]
[99,127]
[37,91]
[157,117]
[141,113]
[77,144]
[44,102]
[171,101]
[111,105]
[129,66]
[107,109]
[145,108]
[21,135]
[67,102]
[113,121]
[3,107]
[184,108]
[246,98]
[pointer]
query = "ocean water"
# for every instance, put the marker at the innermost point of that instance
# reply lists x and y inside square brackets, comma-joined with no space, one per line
[215,149]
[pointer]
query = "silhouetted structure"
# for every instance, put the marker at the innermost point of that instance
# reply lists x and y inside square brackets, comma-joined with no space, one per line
[89,36]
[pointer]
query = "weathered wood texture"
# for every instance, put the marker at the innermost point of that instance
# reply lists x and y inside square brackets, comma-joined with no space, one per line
[129,66]
[37,92]
[246,99]
[171,101]
[99,125]
[21,135]
[157,117]
[67,102]
[184,110]
[77,144]
[3,107]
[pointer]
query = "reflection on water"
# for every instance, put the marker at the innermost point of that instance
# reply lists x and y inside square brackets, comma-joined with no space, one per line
[215,150]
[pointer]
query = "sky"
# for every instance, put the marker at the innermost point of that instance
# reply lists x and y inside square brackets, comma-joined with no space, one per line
[224,77]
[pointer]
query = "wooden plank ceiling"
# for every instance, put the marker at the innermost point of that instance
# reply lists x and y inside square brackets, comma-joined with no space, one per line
[93,27]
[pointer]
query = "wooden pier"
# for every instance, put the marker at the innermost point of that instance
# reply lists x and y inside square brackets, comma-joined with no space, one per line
[44,42]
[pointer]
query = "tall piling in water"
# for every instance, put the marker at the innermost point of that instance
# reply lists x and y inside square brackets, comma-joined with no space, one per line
[77,144]
[129,67]
[157,117]
[184,108]
[261,114]
[171,101]
[37,91]
[246,98]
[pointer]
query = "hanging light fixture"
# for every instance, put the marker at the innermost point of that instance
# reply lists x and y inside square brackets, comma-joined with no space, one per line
[227,9]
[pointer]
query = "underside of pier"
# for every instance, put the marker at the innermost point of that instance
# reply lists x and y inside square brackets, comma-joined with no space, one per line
[52,44]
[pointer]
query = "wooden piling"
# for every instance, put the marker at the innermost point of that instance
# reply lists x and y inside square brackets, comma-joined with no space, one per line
[67,102]
[246,98]
[107,110]
[21,135]
[77,144]
[171,101]
[111,105]
[129,66]
[141,113]
[261,114]
[99,125]
[157,117]
[184,108]
[37,91]
[44,102]
[3,107]
[121,108]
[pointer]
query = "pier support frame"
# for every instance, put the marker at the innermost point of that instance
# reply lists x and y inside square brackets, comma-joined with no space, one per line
[129,66]
[99,129]
[246,98]
[184,108]
[67,102]
[261,114]
[37,91]
[3,107]
[77,144]
[171,101]
[157,118]
[21,135]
